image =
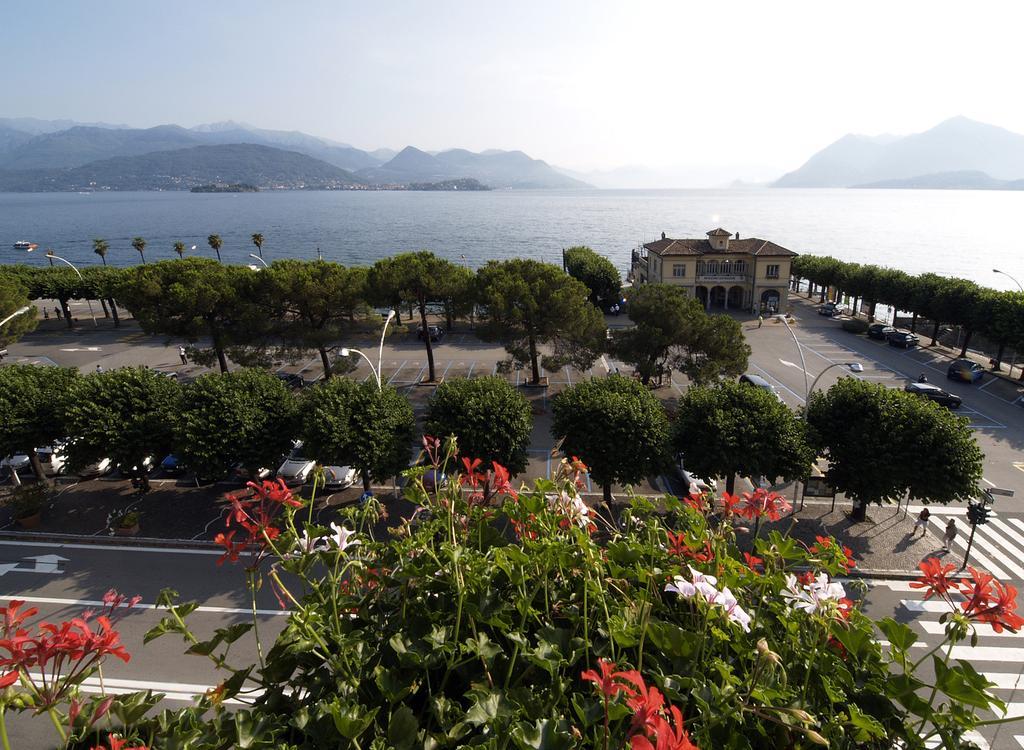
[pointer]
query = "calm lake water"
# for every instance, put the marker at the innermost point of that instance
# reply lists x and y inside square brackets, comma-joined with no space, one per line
[957,233]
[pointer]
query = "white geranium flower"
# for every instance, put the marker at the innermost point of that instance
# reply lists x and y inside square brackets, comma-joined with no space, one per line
[682,587]
[342,537]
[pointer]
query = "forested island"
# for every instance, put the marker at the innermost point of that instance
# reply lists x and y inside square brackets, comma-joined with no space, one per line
[235,188]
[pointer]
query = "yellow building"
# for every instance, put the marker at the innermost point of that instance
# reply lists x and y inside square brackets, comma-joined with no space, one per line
[722,271]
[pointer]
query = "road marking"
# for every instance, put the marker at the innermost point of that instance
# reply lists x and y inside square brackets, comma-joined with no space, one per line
[980,543]
[113,547]
[471,366]
[173,691]
[934,606]
[792,364]
[1019,465]
[990,484]
[779,382]
[395,375]
[43,564]
[98,603]
[82,349]
[937,628]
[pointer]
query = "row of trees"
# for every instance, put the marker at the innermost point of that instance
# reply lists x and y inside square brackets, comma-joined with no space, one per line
[997,315]
[614,424]
[101,247]
[542,316]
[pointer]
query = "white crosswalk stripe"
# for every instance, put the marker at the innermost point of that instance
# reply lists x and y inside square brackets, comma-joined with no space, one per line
[998,545]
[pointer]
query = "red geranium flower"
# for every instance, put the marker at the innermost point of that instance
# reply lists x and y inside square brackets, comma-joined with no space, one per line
[762,503]
[668,736]
[935,578]
[753,562]
[991,601]
[609,681]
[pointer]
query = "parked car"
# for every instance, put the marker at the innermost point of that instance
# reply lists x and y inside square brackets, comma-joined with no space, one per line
[97,469]
[18,462]
[53,459]
[434,479]
[291,379]
[172,466]
[295,471]
[906,339]
[338,478]
[831,309]
[133,471]
[965,371]
[436,333]
[239,473]
[880,331]
[934,393]
[758,382]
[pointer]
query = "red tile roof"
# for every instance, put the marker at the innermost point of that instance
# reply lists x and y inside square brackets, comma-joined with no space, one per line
[748,246]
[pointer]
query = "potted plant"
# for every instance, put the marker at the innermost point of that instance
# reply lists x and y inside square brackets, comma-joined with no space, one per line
[124,522]
[26,504]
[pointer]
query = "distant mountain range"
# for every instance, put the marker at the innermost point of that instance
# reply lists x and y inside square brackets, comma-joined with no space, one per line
[64,155]
[957,153]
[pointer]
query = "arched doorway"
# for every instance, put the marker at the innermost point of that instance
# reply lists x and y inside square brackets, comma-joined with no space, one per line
[717,296]
[770,300]
[702,294]
[735,298]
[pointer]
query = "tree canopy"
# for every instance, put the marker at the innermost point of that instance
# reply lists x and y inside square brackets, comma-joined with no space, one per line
[615,426]
[359,425]
[420,279]
[733,428]
[32,399]
[526,304]
[598,273]
[673,332]
[883,443]
[196,298]
[246,417]
[490,419]
[14,296]
[124,415]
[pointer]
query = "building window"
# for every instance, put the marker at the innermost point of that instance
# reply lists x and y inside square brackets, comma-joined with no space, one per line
[679,270]
[739,267]
[771,271]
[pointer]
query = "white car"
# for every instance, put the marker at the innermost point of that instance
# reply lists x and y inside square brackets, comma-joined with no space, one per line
[338,477]
[696,485]
[295,470]
[52,459]
[19,462]
[97,469]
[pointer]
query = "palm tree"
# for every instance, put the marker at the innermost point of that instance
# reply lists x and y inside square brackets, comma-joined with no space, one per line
[100,247]
[216,243]
[140,244]
[179,248]
[257,240]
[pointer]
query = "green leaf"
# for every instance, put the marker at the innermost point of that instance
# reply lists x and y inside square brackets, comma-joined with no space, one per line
[544,734]
[351,720]
[488,706]
[866,727]
[672,639]
[402,728]
[962,683]
[483,647]
[901,636]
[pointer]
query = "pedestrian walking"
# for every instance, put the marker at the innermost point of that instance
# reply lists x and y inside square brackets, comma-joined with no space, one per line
[99,369]
[181,353]
[950,534]
[56,311]
[760,321]
[46,314]
[922,522]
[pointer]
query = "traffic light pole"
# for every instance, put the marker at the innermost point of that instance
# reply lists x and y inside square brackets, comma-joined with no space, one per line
[978,513]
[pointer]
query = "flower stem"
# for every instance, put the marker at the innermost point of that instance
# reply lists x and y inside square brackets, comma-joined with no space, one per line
[4,742]
[255,619]
[57,725]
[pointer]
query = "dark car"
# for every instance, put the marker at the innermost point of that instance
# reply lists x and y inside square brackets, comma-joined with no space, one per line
[436,333]
[291,379]
[880,331]
[172,466]
[965,371]
[934,393]
[906,339]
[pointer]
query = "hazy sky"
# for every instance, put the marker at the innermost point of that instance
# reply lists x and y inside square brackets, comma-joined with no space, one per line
[751,88]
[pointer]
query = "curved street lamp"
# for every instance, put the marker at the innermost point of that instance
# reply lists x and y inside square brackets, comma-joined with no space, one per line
[380,351]
[16,313]
[1011,278]
[799,349]
[53,256]
[256,257]
[851,366]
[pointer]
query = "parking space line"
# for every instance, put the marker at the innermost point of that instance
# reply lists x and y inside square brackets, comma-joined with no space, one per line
[768,376]
[395,375]
[568,378]
[450,363]
[471,366]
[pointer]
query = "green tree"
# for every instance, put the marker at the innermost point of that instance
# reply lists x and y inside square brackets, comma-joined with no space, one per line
[882,444]
[257,240]
[31,409]
[616,426]
[359,425]
[526,303]
[103,283]
[196,298]
[61,284]
[140,245]
[673,332]
[124,415]
[490,419]
[733,428]
[419,278]
[100,247]
[216,243]
[13,297]
[598,273]
[179,248]
[246,417]
[312,303]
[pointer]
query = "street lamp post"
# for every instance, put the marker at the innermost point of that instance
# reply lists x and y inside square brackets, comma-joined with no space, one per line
[16,313]
[53,256]
[256,257]
[1011,278]
[380,351]
[799,349]
[851,366]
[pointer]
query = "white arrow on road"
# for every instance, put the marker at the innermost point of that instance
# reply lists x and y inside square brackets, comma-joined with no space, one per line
[41,564]
[82,349]
[791,364]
